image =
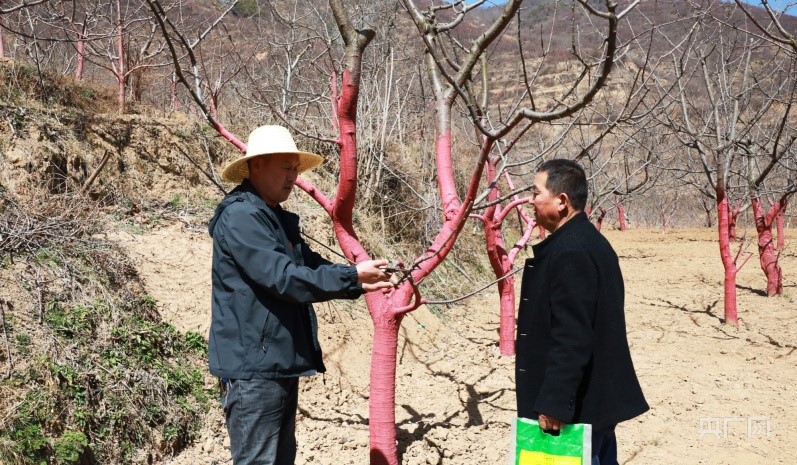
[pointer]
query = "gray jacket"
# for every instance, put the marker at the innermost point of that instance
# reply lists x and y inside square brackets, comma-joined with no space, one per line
[263,324]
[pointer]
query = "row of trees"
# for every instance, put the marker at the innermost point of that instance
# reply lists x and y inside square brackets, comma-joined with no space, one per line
[114,41]
[436,114]
[735,119]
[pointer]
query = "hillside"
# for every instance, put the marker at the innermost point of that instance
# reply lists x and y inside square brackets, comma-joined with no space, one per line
[59,132]
[92,373]
[540,27]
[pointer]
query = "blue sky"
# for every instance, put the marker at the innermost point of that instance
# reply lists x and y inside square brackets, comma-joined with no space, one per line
[778,4]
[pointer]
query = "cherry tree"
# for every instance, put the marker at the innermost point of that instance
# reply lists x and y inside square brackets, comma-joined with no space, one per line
[774,27]
[766,149]
[71,23]
[451,70]
[122,40]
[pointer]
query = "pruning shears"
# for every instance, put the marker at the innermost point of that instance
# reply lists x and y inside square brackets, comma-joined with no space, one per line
[398,274]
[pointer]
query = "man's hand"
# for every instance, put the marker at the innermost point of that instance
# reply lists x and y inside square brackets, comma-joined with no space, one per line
[371,275]
[550,423]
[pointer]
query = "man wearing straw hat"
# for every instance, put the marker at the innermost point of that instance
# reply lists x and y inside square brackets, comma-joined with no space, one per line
[263,333]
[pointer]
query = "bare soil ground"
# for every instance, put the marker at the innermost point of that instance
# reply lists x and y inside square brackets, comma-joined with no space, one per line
[719,395]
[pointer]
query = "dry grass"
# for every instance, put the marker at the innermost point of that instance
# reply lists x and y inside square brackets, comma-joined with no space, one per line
[91,372]
[24,84]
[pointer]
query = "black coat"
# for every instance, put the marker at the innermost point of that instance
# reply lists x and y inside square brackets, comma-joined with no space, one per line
[265,279]
[573,361]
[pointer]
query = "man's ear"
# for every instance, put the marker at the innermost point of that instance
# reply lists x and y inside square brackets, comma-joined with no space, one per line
[564,201]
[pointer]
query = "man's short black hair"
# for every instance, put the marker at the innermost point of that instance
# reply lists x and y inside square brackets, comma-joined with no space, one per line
[566,176]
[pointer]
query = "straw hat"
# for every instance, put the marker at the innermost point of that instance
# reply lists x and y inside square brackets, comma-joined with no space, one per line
[269,140]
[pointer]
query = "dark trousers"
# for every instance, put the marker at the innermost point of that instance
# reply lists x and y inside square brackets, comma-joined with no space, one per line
[604,447]
[261,420]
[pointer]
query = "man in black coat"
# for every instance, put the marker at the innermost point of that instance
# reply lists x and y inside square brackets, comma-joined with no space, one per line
[573,364]
[263,332]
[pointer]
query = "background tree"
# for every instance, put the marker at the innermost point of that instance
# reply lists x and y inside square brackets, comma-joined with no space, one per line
[772,27]
[744,84]
[766,148]
[8,8]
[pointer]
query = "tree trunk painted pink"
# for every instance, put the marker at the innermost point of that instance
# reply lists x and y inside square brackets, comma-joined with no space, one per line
[81,58]
[506,302]
[501,260]
[386,312]
[229,136]
[728,261]
[766,247]
[382,402]
[599,221]
[80,46]
[343,205]
[733,216]
[621,216]
[507,325]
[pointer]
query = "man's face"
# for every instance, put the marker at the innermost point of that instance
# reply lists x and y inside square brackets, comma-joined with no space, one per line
[274,176]
[547,206]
